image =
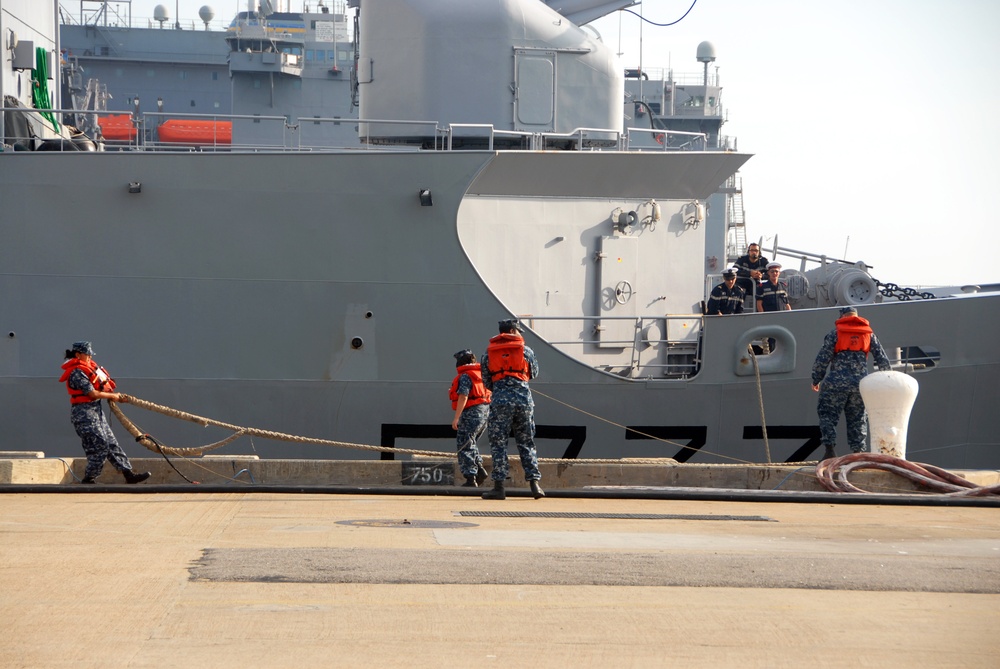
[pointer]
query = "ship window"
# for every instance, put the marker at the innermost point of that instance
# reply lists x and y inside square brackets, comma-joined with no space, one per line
[182,74]
[192,103]
[256,83]
[217,105]
[215,76]
[119,72]
[297,85]
[150,73]
[310,55]
[344,55]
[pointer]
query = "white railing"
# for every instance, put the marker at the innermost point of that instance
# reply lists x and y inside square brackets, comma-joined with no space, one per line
[638,357]
[372,134]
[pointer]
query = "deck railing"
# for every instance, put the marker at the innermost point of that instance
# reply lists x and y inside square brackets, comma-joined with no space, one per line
[639,357]
[280,134]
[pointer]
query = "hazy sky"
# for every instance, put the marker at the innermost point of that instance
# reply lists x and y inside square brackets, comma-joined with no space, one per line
[873,123]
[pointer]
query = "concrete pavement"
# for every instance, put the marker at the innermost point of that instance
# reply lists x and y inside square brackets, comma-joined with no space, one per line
[238,579]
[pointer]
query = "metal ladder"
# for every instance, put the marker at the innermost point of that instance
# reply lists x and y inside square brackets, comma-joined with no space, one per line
[736,233]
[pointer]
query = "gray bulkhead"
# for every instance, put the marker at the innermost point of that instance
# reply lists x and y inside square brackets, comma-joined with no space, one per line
[513,65]
[625,299]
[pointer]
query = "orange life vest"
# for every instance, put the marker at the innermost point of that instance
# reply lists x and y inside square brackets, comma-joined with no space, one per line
[98,377]
[478,394]
[853,334]
[505,355]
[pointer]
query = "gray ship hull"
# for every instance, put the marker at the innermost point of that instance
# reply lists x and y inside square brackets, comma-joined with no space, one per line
[314,295]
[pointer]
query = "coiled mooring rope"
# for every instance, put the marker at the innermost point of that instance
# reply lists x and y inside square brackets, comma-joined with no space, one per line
[832,474]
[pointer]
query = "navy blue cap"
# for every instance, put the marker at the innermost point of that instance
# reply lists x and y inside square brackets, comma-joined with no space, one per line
[510,324]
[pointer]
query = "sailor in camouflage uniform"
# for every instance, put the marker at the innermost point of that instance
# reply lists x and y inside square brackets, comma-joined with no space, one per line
[507,367]
[88,384]
[845,351]
[471,402]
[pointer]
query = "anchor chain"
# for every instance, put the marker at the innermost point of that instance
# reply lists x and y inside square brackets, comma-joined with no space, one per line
[902,293]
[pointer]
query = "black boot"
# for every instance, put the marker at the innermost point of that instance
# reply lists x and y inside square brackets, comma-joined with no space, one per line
[497,492]
[470,482]
[88,479]
[481,475]
[829,453]
[536,490]
[132,477]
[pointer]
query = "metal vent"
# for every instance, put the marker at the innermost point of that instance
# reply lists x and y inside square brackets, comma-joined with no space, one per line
[616,516]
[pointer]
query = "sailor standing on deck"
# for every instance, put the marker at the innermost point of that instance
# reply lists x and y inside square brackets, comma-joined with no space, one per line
[845,351]
[750,269]
[88,384]
[727,297]
[471,402]
[507,367]
[772,295]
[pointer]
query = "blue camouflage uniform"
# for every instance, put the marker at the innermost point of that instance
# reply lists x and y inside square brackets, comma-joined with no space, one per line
[839,390]
[512,413]
[471,425]
[92,426]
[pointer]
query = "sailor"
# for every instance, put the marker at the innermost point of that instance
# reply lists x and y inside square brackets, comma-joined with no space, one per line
[845,351]
[507,367]
[471,402]
[88,384]
[750,269]
[772,295]
[727,297]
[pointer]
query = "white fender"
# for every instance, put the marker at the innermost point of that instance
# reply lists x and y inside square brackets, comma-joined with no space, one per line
[889,397]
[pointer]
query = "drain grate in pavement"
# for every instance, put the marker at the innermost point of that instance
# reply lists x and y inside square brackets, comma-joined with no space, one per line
[614,516]
[403,522]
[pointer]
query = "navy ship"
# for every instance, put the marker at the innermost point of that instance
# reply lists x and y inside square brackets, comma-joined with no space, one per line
[301,247]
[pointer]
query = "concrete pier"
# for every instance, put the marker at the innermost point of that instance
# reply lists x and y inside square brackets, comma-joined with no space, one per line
[31,468]
[159,578]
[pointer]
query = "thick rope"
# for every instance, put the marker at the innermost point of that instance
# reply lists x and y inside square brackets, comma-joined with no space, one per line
[239,431]
[832,474]
[760,402]
[153,445]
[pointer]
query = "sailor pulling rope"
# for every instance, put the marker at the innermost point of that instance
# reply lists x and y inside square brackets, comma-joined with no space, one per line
[831,473]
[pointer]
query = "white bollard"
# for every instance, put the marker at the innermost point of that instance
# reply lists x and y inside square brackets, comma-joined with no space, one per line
[888,397]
